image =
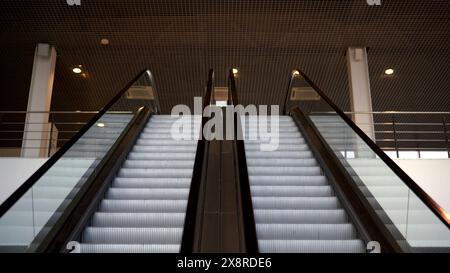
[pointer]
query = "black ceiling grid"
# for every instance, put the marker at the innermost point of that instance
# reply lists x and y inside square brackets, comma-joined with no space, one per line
[180,40]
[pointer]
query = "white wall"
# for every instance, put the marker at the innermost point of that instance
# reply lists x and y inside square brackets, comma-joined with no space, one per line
[14,171]
[432,175]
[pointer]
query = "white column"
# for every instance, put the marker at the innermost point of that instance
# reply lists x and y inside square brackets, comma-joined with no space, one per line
[360,96]
[37,128]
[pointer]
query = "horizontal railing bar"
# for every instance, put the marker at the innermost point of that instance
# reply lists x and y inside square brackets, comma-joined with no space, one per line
[32,139]
[69,123]
[59,131]
[40,123]
[412,140]
[413,149]
[411,132]
[63,112]
[388,113]
[412,124]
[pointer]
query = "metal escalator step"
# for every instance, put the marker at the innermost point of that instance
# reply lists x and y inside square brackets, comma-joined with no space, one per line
[148,194]
[167,142]
[144,210]
[281,128]
[288,180]
[276,154]
[174,173]
[108,205]
[294,206]
[305,162]
[311,246]
[295,203]
[279,147]
[305,231]
[167,135]
[129,248]
[105,235]
[168,127]
[328,216]
[121,182]
[284,171]
[174,219]
[291,191]
[164,149]
[162,156]
[165,164]
[281,141]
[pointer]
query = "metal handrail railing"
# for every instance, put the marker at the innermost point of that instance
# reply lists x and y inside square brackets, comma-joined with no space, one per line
[61,112]
[11,200]
[425,133]
[12,137]
[387,112]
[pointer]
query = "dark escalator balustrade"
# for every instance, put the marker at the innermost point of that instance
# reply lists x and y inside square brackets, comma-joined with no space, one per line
[404,217]
[121,181]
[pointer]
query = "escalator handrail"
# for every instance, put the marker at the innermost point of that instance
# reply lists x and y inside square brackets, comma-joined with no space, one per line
[233,98]
[187,241]
[408,181]
[29,183]
[251,240]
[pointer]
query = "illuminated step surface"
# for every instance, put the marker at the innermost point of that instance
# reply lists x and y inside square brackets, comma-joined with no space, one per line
[145,207]
[295,207]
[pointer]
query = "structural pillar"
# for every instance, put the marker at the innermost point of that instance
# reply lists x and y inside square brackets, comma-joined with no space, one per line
[38,132]
[360,96]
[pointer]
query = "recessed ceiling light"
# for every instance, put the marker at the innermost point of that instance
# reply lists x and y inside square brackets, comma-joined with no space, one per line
[77,70]
[389,71]
[101,125]
[235,71]
[104,41]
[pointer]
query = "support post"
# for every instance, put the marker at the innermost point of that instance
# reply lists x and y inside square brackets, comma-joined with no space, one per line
[37,128]
[360,96]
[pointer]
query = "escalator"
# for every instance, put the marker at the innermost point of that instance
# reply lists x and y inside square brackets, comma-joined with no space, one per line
[145,207]
[133,180]
[126,182]
[327,187]
[295,207]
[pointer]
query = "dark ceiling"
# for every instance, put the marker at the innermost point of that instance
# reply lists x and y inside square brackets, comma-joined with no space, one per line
[180,40]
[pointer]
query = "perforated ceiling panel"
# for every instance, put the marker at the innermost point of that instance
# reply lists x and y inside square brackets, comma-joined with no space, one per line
[180,40]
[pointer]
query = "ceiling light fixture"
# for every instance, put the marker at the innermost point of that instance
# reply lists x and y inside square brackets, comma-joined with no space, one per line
[104,41]
[77,70]
[389,71]
[101,125]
